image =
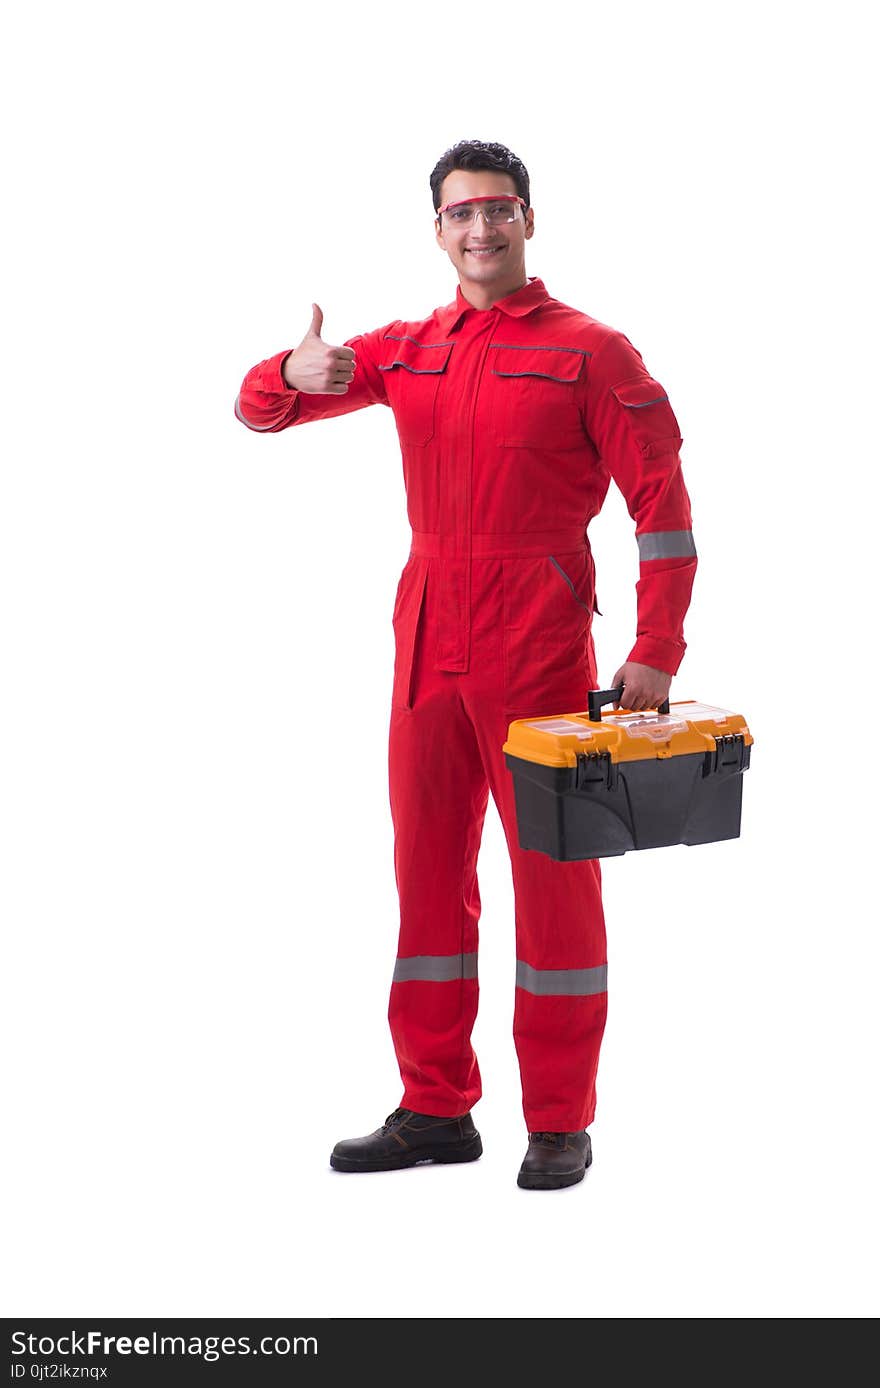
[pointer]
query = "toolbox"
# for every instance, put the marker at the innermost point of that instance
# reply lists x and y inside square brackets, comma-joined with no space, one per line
[588,786]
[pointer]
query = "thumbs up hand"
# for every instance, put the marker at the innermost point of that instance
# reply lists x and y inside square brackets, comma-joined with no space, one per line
[316,368]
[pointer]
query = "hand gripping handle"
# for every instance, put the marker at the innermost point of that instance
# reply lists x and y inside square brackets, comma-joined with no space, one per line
[598,697]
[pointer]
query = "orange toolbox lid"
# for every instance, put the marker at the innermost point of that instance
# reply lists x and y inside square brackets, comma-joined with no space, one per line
[687,727]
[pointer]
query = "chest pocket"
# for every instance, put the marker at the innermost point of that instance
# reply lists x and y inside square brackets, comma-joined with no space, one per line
[649,415]
[414,372]
[534,395]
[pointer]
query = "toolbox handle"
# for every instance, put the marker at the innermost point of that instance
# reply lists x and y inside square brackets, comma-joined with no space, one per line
[598,697]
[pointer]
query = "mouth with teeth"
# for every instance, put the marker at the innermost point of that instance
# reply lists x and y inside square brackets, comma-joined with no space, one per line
[484,251]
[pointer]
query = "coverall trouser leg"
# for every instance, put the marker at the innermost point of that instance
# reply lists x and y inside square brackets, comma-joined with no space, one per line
[445,756]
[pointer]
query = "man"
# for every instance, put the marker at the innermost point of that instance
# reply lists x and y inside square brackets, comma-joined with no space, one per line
[514,412]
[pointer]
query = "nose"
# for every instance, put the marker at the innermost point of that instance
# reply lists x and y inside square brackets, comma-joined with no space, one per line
[486,225]
[482,233]
[481,213]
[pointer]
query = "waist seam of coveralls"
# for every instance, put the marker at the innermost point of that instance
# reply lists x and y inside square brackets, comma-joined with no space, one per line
[505,545]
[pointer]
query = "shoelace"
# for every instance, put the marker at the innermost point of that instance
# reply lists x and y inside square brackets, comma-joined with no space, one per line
[556,1139]
[392,1118]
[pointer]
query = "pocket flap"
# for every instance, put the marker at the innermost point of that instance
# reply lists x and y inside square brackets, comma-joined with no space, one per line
[418,357]
[553,363]
[641,392]
[650,415]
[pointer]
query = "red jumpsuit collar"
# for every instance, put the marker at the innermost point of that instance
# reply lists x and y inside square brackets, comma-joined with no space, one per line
[521,301]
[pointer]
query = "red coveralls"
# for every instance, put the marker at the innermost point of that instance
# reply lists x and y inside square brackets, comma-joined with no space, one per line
[512,421]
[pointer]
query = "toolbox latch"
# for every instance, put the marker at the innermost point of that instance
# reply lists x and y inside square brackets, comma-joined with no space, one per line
[594,769]
[730,757]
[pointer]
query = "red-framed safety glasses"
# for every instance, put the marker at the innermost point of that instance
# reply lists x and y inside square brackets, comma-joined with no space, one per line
[501,208]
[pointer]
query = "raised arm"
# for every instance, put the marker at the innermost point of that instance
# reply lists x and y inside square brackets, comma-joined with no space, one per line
[312,381]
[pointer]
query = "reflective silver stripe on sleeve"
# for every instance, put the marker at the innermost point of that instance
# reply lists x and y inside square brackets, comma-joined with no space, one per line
[666,544]
[568,982]
[435,968]
[260,428]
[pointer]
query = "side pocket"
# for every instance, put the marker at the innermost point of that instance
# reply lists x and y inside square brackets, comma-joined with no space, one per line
[585,594]
[556,564]
[405,621]
[596,608]
[401,583]
[546,630]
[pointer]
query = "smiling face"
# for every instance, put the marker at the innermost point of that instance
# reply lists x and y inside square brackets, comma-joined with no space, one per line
[485,277]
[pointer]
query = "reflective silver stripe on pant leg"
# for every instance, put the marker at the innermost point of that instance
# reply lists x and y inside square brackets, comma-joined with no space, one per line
[435,968]
[567,982]
[666,544]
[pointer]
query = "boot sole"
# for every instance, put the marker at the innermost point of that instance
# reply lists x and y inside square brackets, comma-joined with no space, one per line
[550,1180]
[471,1152]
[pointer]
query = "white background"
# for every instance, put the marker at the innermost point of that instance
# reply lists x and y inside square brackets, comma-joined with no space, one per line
[200,915]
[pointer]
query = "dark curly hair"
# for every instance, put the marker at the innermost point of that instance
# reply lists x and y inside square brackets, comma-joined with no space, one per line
[478,154]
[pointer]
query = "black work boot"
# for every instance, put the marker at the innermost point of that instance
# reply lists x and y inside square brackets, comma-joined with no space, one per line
[555,1159]
[407,1138]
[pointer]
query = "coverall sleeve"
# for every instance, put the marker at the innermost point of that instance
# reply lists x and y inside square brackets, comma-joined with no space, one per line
[628,416]
[267,404]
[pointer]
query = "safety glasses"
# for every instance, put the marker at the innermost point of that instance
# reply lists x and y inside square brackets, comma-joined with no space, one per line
[496,210]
